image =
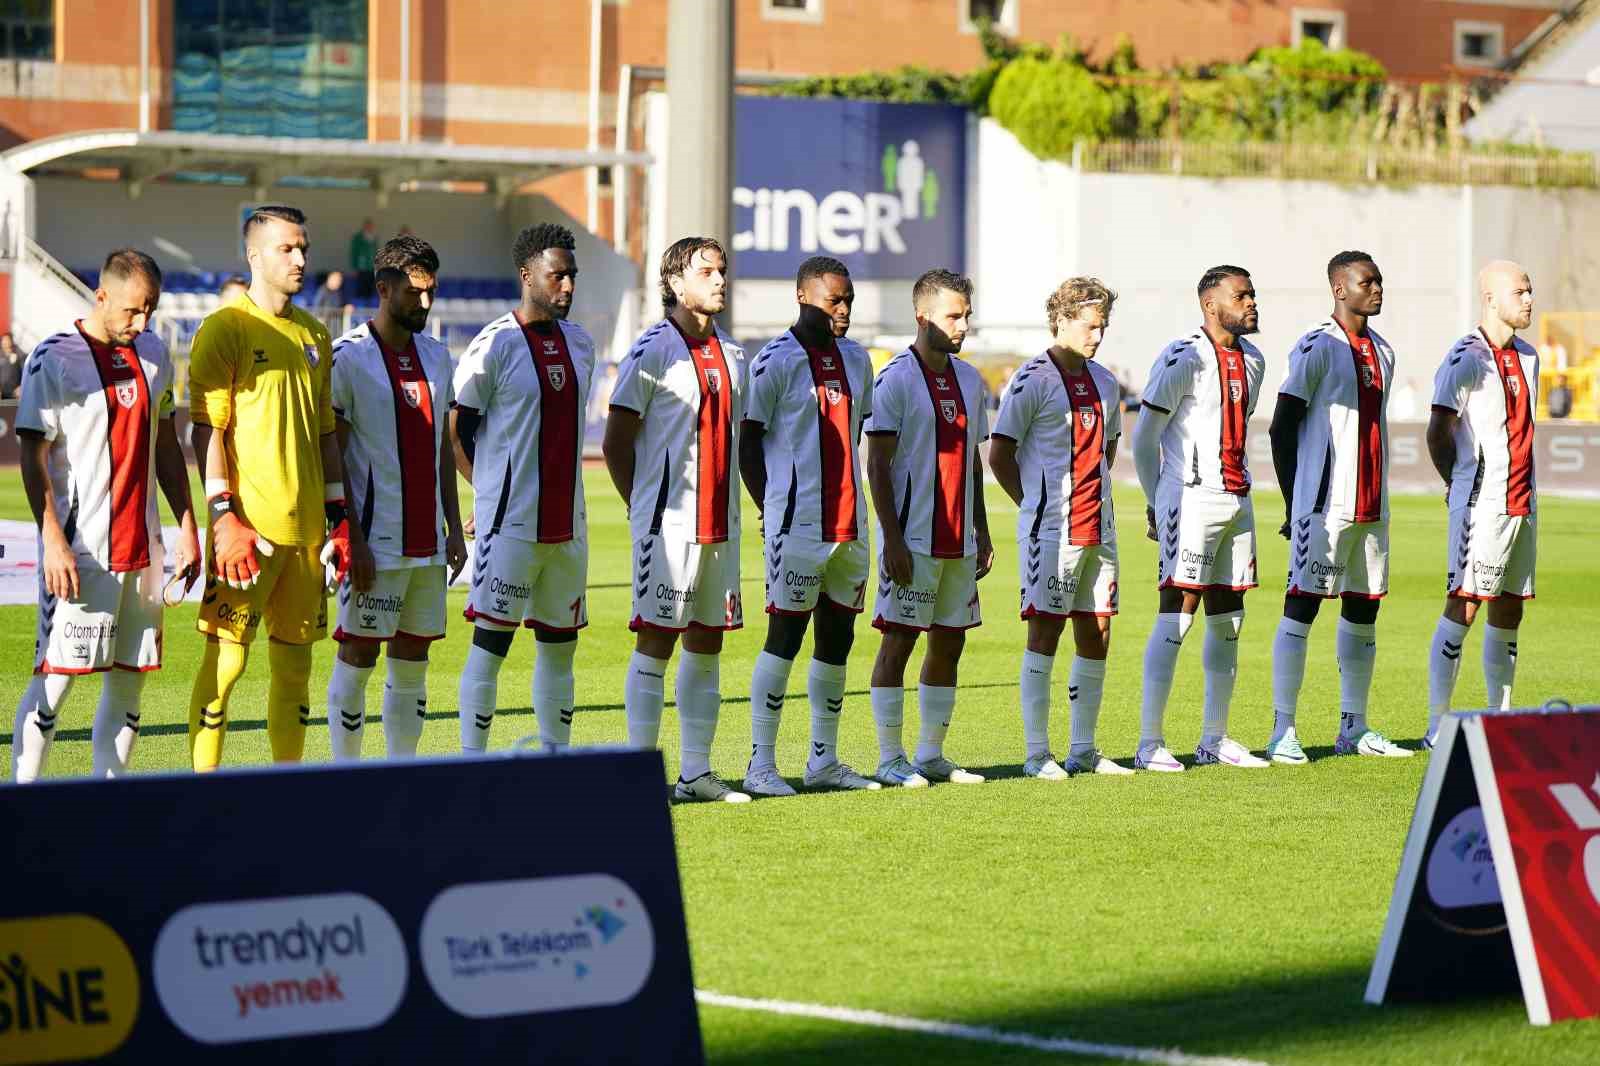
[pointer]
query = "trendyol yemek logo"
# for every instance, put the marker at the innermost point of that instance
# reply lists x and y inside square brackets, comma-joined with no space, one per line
[500,948]
[291,966]
[843,222]
[1575,801]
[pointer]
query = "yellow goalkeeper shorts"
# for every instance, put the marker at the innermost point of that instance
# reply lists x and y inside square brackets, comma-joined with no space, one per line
[289,595]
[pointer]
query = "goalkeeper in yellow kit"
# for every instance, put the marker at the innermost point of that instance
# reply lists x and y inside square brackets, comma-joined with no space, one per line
[261,403]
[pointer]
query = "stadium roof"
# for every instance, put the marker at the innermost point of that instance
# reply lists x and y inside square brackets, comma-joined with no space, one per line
[265,161]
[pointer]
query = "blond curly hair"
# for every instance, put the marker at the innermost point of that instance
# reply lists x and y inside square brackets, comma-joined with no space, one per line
[1073,295]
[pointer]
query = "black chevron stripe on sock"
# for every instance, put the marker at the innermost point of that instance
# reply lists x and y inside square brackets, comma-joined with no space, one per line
[305,715]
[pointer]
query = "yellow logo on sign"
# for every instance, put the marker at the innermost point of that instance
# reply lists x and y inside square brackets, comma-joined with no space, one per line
[68,989]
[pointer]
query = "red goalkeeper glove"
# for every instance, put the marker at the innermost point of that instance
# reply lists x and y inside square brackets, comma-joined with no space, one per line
[234,545]
[336,549]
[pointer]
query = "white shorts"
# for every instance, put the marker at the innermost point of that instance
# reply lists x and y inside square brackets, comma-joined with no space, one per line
[1206,539]
[1061,580]
[115,621]
[678,584]
[800,570]
[407,602]
[943,594]
[1491,555]
[1331,556]
[518,582]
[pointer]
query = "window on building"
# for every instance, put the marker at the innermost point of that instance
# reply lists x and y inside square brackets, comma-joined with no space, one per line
[275,68]
[1322,24]
[27,29]
[1479,44]
[795,10]
[1002,14]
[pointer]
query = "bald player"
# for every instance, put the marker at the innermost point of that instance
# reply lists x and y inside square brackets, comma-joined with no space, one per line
[1480,438]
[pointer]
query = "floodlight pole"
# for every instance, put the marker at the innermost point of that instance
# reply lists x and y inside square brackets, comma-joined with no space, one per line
[700,123]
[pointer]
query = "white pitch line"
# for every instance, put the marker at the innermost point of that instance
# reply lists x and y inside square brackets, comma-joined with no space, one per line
[980,1034]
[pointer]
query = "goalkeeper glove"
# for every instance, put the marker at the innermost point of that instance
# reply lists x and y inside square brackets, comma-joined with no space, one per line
[336,549]
[234,545]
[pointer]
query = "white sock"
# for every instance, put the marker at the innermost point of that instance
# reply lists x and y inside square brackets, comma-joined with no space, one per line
[1219,655]
[1160,663]
[936,704]
[347,708]
[643,694]
[1288,672]
[1086,685]
[889,715]
[116,722]
[479,684]
[554,692]
[1357,648]
[1034,683]
[405,706]
[698,702]
[36,725]
[1499,665]
[1444,666]
[768,682]
[825,690]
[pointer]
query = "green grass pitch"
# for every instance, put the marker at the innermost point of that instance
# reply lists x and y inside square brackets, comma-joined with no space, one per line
[1220,911]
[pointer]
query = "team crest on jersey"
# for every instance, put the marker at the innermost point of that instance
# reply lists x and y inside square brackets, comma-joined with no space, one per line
[413,392]
[1235,390]
[1366,376]
[1514,385]
[1086,416]
[127,393]
[311,355]
[948,409]
[557,375]
[713,379]
[834,390]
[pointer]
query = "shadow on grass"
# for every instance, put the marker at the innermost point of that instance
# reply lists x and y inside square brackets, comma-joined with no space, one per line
[1314,1017]
[251,725]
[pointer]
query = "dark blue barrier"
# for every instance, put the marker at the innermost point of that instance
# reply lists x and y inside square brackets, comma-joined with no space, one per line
[503,910]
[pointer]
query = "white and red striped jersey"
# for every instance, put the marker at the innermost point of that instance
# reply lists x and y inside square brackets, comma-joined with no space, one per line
[1342,468]
[396,405]
[530,382]
[940,418]
[99,406]
[1210,392]
[1064,424]
[811,404]
[690,394]
[1493,390]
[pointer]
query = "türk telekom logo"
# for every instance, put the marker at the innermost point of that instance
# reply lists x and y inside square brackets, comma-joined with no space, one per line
[499,948]
[1574,800]
[263,968]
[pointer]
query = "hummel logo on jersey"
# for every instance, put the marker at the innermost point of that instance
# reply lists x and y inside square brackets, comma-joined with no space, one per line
[549,347]
[413,392]
[1080,388]
[119,363]
[827,362]
[128,392]
[405,362]
[557,375]
[260,354]
[834,391]
[940,384]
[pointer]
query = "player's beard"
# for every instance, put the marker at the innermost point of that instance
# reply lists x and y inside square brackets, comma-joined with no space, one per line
[1238,327]
[414,321]
[550,308]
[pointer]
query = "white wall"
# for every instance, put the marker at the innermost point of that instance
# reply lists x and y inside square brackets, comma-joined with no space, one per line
[1150,237]
[1560,106]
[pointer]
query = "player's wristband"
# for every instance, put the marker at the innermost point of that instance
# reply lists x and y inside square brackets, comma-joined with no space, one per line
[220,505]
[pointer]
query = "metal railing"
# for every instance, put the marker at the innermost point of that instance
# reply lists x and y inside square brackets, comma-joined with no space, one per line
[1321,162]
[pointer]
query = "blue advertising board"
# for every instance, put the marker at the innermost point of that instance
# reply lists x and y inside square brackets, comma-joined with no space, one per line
[882,187]
[507,910]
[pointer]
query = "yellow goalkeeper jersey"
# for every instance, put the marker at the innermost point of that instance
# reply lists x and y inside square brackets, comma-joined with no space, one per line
[267,379]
